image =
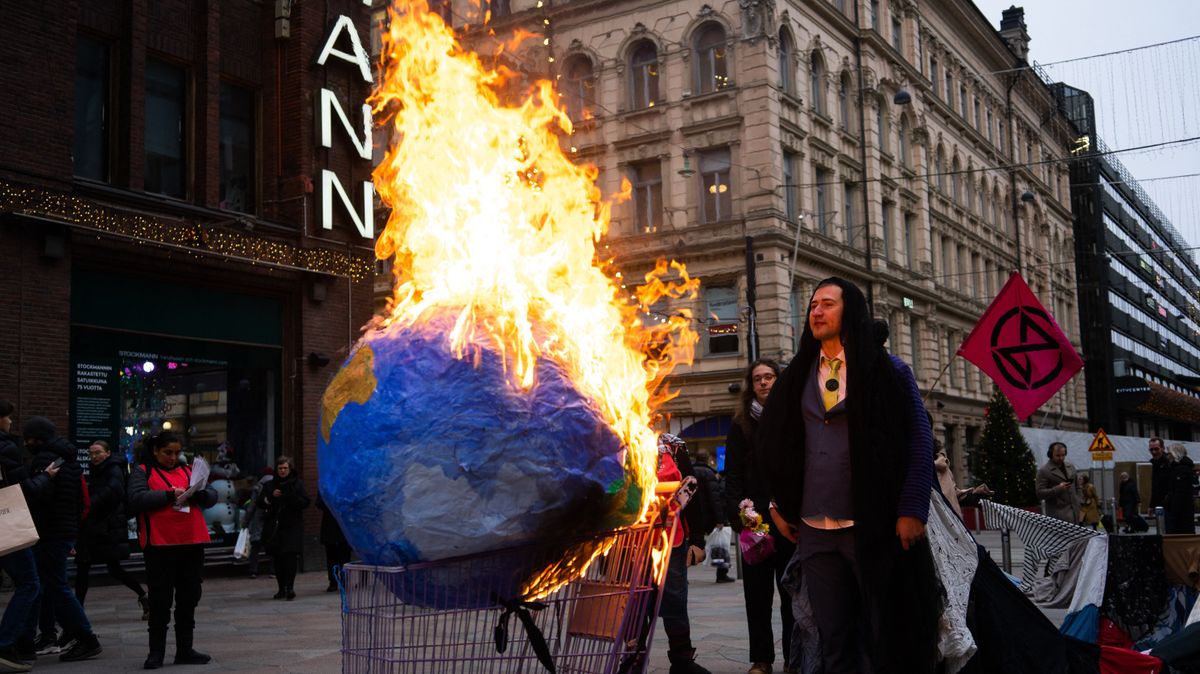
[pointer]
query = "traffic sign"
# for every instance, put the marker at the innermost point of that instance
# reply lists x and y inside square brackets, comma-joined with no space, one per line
[1101,448]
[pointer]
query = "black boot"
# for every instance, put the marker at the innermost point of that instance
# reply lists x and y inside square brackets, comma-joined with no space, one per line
[158,648]
[289,594]
[184,653]
[684,662]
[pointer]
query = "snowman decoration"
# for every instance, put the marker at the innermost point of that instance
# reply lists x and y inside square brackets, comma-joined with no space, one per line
[222,516]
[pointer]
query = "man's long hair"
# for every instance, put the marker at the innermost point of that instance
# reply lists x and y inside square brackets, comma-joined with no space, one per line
[777,427]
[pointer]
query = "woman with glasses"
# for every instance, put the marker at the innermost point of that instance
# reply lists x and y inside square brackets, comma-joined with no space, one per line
[744,479]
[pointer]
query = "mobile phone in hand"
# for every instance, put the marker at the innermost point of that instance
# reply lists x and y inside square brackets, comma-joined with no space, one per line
[57,462]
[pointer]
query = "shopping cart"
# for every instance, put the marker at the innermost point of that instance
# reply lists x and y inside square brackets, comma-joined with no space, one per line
[460,615]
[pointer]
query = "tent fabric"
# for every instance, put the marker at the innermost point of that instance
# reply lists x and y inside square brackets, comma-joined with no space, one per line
[1083,624]
[1135,589]
[1082,620]
[1013,636]
[1043,536]
[1181,557]
[1111,634]
[1171,619]
[955,556]
[1120,661]
[1181,650]
[1056,587]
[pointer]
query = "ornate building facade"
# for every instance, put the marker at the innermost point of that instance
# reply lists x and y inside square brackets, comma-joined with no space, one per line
[772,143]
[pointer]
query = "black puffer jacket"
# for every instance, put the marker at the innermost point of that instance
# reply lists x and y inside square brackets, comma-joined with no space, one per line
[14,469]
[57,516]
[104,535]
[283,528]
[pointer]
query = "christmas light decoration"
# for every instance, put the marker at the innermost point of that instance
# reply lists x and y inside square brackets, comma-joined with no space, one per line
[194,238]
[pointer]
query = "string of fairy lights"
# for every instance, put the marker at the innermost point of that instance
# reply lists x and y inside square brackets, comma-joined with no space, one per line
[193,238]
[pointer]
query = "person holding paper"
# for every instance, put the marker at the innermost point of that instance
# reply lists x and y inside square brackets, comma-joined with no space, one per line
[282,500]
[167,497]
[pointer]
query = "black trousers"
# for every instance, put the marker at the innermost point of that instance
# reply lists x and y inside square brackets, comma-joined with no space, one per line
[336,555]
[82,570]
[286,565]
[174,576]
[831,569]
[759,584]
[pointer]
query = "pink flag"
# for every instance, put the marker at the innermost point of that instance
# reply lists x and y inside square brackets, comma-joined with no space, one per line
[1019,345]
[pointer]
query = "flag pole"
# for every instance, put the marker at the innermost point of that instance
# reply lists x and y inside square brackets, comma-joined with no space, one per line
[933,386]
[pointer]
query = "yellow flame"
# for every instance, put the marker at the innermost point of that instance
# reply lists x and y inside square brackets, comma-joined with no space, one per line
[490,219]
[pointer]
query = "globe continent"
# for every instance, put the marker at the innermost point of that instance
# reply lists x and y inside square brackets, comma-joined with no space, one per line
[423,456]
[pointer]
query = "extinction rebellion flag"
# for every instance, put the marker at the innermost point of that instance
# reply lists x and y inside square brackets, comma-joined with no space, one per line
[1020,346]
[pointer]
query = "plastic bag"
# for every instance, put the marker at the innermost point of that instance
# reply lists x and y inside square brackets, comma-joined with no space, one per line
[717,545]
[241,549]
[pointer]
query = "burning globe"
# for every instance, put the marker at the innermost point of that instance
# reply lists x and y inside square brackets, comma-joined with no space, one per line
[508,394]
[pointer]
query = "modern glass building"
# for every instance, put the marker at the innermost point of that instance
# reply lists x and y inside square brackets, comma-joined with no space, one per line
[1138,295]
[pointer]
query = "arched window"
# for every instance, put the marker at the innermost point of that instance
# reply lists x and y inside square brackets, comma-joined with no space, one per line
[970,185]
[816,76]
[579,88]
[643,68]
[787,78]
[996,218]
[882,129]
[712,64]
[905,132]
[956,180]
[939,168]
[845,103]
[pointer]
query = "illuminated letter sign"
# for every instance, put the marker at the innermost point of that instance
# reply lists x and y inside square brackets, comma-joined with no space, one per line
[329,107]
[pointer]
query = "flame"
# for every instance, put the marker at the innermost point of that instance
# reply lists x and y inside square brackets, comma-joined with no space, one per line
[490,219]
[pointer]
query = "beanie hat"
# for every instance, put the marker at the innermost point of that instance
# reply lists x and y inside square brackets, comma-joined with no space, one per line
[39,428]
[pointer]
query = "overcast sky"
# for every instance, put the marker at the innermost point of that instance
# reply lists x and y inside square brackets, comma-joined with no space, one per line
[1143,97]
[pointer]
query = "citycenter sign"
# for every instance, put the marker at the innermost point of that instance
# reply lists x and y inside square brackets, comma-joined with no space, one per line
[330,108]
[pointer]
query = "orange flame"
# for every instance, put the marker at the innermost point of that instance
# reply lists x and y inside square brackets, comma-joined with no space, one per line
[489,218]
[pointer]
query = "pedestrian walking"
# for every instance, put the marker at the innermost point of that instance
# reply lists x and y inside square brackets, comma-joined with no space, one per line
[1055,484]
[283,501]
[1180,502]
[1089,502]
[57,519]
[745,479]
[255,517]
[172,534]
[104,533]
[17,626]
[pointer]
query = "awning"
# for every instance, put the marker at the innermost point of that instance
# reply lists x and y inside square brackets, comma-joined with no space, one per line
[708,427]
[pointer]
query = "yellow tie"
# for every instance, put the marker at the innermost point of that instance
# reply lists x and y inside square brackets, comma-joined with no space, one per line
[830,388]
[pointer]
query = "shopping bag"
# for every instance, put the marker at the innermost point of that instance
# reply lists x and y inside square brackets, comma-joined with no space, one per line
[241,549]
[718,546]
[16,525]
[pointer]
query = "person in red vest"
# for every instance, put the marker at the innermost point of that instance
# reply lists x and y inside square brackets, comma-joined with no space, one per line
[172,536]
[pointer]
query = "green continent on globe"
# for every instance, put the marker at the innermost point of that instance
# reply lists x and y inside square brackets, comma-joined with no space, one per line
[355,382]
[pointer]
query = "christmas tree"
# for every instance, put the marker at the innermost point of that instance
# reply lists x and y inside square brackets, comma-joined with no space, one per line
[1003,460]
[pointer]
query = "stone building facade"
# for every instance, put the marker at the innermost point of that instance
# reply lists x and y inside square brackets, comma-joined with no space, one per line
[772,143]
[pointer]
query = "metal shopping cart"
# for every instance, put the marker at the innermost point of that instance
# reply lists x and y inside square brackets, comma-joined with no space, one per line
[457,615]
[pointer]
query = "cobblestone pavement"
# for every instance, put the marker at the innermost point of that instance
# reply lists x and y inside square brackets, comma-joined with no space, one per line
[246,631]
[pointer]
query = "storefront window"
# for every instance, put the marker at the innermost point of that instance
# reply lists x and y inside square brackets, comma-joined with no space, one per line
[216,384]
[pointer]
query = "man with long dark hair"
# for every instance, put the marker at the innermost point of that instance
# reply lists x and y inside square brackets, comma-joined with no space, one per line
[847,447]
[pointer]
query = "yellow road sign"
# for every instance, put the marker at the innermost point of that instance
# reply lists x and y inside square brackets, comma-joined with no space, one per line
[1102,448]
